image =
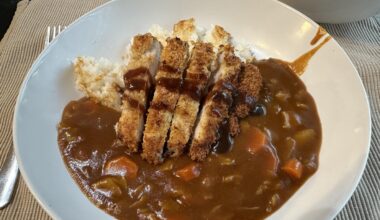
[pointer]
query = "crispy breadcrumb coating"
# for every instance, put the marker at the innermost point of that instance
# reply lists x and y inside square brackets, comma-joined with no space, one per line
[186,111]
[143,58]
[217,105]
[173,63]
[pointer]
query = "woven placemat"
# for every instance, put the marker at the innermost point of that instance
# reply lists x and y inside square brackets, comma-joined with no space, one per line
[24,41]
[361,41]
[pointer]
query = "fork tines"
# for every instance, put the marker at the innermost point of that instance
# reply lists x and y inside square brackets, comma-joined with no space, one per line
[53,32]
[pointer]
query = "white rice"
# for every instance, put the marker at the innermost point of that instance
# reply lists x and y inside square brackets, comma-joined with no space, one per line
[243,49]
[160,33]
[99,80]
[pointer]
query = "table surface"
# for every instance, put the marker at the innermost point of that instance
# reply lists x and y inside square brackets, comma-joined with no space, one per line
[24,41]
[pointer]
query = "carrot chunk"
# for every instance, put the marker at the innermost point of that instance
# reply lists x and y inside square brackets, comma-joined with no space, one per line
[293,168]
[122,166]
[189,172]
[258,140]
[258,145]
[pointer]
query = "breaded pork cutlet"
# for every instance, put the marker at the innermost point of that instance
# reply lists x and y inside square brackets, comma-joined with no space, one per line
[217,104]
[195,82]
[218,36]
[168,82]
[186,30]
[248,89]
[142,58]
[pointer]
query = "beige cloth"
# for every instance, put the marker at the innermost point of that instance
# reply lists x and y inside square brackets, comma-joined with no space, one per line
[25,40]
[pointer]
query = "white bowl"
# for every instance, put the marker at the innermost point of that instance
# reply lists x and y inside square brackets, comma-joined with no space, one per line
[275,29]
[336,11]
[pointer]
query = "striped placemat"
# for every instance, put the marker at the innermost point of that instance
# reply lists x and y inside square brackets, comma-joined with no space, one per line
[361,41]
[24,41]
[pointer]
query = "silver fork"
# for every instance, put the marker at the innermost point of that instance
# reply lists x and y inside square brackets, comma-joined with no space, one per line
[53,32]
[9,170]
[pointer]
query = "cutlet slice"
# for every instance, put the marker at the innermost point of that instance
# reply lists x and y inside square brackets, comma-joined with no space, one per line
[186,110]
[217,104]
[168,83]
[248,90]
[142,58]
[186,30]
[217,36]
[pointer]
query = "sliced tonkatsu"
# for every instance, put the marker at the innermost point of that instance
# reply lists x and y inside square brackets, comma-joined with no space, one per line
[142,62]
[217,36]
[168,83]
[218,102]
[195,82]
[248,90]
[186,30]
[178,98]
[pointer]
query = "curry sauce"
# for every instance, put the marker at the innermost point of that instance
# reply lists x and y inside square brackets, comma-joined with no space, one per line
[274,154]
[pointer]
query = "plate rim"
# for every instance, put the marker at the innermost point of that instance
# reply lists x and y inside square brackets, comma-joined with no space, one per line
[52,213]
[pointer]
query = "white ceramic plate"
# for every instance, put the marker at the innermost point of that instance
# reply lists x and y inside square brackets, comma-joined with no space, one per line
[274,28]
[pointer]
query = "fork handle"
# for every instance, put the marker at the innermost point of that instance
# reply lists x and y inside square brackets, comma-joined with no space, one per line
[8,178]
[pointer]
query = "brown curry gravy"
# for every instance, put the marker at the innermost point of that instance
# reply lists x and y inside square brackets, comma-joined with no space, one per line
[320,33]
[235,184]
[299,65]
[138,79]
